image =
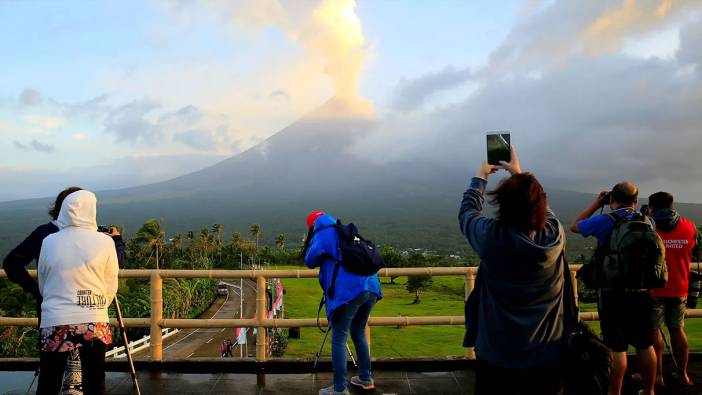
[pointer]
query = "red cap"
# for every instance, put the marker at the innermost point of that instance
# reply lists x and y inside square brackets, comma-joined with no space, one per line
[313,217]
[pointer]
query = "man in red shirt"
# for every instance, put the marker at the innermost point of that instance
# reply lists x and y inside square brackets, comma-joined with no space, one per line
[681,241]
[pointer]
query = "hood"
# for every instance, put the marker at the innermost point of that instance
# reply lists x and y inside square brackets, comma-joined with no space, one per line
[545,248]
[324,221]
[666,219]
[79,210]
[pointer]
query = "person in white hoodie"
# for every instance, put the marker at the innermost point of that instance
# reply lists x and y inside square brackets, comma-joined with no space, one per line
[77,273]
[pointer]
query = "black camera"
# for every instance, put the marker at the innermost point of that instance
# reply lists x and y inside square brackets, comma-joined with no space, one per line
[644,210]
[607,199]
[104,229]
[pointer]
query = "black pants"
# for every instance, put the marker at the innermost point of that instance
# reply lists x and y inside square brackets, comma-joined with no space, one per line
[491,379]
[92,363]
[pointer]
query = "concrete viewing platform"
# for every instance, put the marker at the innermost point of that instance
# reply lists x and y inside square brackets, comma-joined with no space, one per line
[388,381]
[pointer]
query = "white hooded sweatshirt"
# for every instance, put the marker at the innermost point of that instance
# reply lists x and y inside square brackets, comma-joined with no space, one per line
[77,266]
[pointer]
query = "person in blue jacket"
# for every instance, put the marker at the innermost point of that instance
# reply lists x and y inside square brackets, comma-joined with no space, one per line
[349,301]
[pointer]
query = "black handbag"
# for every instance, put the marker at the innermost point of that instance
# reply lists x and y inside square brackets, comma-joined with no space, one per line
[587,360]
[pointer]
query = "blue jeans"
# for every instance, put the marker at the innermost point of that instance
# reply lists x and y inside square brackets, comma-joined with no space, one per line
[353,317]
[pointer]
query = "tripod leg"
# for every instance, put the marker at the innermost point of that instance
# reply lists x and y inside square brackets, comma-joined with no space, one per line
[353,360]
[36,374]
[120,321]
[316,357]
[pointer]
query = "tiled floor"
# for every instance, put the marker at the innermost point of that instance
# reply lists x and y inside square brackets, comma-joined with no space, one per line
[387,382]
[300,384]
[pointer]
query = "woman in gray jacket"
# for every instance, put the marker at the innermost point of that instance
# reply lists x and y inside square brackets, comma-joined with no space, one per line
[517,306]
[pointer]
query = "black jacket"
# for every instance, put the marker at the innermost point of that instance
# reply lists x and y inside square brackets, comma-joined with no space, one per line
[28,250]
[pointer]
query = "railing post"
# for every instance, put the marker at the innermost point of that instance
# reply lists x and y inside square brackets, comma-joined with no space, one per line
[261,331]
[156,316]
[470,285]
[368,337]
[574,276]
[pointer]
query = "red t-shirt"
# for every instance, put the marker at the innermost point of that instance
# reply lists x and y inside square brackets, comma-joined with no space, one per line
[679,244]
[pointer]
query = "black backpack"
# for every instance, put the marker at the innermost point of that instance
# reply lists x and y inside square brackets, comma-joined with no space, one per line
[633,258]
[358,255]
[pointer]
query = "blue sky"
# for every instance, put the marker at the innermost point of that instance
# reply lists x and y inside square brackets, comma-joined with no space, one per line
[114,94]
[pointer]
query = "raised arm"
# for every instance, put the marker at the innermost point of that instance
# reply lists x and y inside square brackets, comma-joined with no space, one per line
[16,262]
[324,243]
[589,212]
[119,246]
[473,223]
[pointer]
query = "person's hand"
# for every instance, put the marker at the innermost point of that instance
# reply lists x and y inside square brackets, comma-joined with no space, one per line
[485,170]
[602,199]
[114,231]
[513,166]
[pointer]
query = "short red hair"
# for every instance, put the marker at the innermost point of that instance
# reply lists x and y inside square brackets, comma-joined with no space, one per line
[521,202]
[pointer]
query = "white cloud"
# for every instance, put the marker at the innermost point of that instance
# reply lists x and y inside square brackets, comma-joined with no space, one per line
[34,145]
[119,173]
[582,124]
[29,97]
[410,94]
[45,121]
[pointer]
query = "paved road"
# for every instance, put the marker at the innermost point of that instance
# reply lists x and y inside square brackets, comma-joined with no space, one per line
[205,342]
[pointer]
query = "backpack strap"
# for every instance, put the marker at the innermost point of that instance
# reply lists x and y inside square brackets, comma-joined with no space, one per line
[330,292]
[332,287]
[615,217]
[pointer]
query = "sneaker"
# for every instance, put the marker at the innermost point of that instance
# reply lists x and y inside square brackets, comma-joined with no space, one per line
[366,385]
[330,391]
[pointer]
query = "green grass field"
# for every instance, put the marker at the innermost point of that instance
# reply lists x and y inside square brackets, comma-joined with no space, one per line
[444,298]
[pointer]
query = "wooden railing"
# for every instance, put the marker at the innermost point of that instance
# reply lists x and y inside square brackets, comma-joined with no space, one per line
[156,322]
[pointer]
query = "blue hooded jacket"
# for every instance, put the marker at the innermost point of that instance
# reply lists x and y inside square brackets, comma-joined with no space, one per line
[324,253]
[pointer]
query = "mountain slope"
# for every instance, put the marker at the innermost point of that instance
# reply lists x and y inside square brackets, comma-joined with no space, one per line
[303,167]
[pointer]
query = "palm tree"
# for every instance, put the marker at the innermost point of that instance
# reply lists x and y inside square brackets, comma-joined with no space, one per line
[205,238]
[177,242]
[217,231]
[191,238]
[255,231]
[280,241]
[151,235]
[236,239]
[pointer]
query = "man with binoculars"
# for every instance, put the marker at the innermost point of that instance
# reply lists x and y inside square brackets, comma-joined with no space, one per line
[625,312]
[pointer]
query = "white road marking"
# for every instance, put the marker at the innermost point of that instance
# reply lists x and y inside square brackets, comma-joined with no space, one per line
[191,333]
[191,354]
[208,342]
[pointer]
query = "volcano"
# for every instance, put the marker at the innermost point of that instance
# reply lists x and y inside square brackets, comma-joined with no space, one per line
[306,166]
